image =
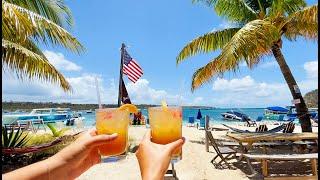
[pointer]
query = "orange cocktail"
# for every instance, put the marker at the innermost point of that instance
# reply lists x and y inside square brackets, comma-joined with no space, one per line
[109,121]
[166,127]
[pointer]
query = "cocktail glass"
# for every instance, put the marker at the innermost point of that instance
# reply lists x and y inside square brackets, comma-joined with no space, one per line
[109,121]
[166,127]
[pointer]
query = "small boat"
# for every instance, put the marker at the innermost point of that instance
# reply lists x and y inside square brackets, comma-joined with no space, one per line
[46,114]
[233,115]
[275,113]
[89,111]
[292,113]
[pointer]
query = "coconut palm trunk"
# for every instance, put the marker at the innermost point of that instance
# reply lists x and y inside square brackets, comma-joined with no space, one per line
[301,108]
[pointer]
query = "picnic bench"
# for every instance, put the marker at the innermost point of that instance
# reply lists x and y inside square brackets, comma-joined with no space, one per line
[250,138]
[313,157]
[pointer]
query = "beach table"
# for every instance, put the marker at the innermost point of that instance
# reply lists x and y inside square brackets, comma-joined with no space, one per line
[251,138]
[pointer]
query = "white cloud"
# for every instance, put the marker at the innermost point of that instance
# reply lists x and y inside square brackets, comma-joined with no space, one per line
[142,93]
[84,91]
[60,62]
[246,92]
[233,85]
[311,68]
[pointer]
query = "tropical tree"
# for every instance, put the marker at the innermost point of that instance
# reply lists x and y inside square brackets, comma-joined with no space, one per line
[25,25]
[259,28]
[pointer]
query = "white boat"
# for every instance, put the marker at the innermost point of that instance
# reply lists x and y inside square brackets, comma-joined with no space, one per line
[46,114]
[233,115]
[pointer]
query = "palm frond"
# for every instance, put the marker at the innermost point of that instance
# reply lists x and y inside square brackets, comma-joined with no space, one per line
[54,10]
[233,10]
[27,64]
[207,43]
[302,23]
[26,23]
[250,44]
[284,8]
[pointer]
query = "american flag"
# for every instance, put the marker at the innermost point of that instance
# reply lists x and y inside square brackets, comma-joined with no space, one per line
[131,68]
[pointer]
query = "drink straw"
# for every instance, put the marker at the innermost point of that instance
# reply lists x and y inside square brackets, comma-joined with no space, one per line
[98,93]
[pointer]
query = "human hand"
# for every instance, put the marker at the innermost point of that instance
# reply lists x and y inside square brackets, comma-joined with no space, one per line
[154,159]
[83,153]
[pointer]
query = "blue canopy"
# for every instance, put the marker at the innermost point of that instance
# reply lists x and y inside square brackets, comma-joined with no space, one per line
[199,115]
[277,108]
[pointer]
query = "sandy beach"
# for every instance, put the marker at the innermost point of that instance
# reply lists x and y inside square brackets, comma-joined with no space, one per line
[195,163]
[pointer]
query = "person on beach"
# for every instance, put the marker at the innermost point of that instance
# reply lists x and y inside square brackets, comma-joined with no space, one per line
[82,154]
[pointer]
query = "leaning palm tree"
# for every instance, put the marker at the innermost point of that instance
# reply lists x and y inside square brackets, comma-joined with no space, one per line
[259,28]
[26,24]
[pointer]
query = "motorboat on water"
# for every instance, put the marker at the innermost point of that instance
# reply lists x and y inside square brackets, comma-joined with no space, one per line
[292,113]
[234,115]
[89,111]
[46,114]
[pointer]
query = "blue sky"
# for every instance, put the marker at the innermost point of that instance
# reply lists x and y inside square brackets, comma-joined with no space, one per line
[155,32]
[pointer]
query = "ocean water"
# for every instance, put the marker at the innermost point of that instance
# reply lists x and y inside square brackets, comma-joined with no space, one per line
[214,114]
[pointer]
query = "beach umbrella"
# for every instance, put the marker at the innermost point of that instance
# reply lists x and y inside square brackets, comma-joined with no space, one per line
[199,116]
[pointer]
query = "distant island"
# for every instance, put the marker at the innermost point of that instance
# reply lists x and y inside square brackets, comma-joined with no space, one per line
[28,106]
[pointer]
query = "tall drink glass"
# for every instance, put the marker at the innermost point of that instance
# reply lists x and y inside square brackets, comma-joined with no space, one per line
[166,127]
[109,121]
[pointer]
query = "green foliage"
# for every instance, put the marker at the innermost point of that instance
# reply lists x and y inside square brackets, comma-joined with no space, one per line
[55,131]
[12,139]
[25,25]
[261,24]
[38,139]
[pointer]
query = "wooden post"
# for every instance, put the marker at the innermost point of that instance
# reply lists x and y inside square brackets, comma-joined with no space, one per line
[314,167]
[206,127]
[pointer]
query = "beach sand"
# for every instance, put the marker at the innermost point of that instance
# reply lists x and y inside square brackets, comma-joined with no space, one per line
[195,163]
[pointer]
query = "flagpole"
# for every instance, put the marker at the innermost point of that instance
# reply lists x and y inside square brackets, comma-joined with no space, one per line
[121,73]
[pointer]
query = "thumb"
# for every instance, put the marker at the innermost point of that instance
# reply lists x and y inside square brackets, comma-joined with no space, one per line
[101,139]
[176,144]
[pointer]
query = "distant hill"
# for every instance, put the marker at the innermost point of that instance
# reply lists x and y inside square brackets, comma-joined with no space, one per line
[311,98]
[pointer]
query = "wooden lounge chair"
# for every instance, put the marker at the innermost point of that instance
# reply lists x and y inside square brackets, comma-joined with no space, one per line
[289,127]
[262,128]
[220,151]
[274,130]
[249,122]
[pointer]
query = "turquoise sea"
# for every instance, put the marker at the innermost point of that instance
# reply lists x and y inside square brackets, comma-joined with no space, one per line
[214,114]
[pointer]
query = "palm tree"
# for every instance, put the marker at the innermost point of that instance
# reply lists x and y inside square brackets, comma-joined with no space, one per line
[25,24]
[260,27]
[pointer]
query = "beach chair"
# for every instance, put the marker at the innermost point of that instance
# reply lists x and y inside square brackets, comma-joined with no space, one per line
[289,127]
[26,125]
[190,122]
[220,150]
[274,130]
[249,122]
[171,172]
[202,123]
[262,128]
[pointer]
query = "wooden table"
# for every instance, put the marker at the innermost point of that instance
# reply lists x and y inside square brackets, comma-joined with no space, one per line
[251,138]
